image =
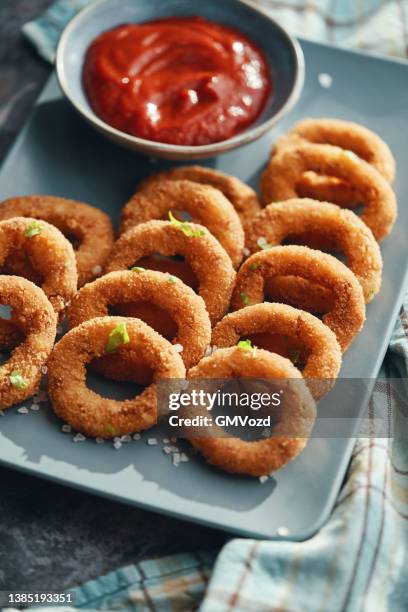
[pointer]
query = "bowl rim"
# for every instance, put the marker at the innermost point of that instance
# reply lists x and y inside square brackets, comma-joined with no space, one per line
[153,146]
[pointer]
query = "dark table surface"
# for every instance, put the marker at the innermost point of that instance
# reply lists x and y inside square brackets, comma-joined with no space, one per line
[52,537]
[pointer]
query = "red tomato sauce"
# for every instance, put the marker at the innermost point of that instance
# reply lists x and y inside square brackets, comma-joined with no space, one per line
[182,80]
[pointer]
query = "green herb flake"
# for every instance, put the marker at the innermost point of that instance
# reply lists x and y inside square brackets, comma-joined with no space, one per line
[33,229]
[172,279]
[111,430]
[371,294]
[18,381]
[185,227]
[244,298]
[117,337]
[254,266]
[137,269]
[263,244]
[245,345]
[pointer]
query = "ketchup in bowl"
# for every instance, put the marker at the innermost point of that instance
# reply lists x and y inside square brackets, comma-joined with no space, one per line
[180,80]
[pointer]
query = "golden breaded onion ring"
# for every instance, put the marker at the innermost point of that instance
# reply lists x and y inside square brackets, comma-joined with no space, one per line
[208,260]
[35,318]
[88,226]
[344,230]
[347,315]
[242,197]
[150,288]
[260,457]
[203,203]
[314,339]
[85,410]
[347,135]
[279,181]
[49,253]
[344,134]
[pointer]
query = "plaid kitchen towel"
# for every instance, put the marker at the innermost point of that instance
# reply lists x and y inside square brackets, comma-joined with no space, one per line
[370,25]
[358,559]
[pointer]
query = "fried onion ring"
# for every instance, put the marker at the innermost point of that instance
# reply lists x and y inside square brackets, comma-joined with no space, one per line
[311,337]
[344,134]
[35,318]
[260,457]
[203,203]
[279,181]
[150,288]
[208,260]
[87,411]
[347,315]
[85,225]
[242,197]
[50,255]
[343,228]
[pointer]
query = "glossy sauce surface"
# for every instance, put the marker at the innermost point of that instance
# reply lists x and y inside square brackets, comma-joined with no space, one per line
[184,80]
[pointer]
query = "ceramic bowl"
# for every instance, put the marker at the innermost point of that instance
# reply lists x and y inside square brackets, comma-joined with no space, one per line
[283,54]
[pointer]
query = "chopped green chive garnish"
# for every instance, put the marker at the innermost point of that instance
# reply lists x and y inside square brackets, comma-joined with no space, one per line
[245,345]
[17,380]
[33,229]
[117,337]
[185,227]
[172,279]
[244,298]
[137,269]
[111,430]
[371,294]
[261,242]
[254,266]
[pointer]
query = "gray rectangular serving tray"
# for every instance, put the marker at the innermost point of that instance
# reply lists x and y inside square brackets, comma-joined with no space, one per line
[58,154]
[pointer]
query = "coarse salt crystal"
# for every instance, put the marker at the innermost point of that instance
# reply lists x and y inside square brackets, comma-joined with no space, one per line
[2,413]
[282,531]
[117,444]
[176,459]
[136,436]
[126,438]
[66,428]
[99,440]
[44,370]
[35,407]
[263,479]
[167,450]
[184,458]
[78,438]
[178,348]
[22,410]
[152,441]
[165,441]
[246,252]
[208,351]
[325,80]
[96,269]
